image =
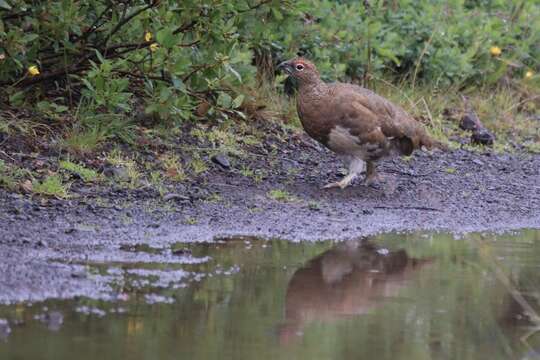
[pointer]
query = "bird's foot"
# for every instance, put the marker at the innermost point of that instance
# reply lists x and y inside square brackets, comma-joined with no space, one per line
[374,180]
[332,185]
[343,183]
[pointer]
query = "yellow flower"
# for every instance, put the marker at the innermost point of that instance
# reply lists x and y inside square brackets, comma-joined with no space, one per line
[529,74]
[154,47]
[495,51]
[33,70]
[147,36]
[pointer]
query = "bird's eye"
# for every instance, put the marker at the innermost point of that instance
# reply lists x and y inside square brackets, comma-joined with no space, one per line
[299,67]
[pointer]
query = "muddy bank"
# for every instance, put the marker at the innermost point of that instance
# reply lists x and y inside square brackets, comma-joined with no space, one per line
[46,244]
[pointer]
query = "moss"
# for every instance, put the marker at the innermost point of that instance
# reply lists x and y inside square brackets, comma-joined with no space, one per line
[87,175]
[281,195]
[173,167]
[51,186]
[198,166]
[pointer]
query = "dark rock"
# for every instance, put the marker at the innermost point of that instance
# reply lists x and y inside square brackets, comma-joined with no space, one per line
[79,274]
[181,251]
[70,231]
[222,160]
[367,211]
[42,243]
[199,193]
[118,172]
[174,196]
[85,190]
[470,122]
[478,162]
[482,136]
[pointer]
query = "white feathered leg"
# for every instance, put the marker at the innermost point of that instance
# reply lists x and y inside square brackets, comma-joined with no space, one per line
[356,166]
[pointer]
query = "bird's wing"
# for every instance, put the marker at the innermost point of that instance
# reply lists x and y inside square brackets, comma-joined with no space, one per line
[374,120]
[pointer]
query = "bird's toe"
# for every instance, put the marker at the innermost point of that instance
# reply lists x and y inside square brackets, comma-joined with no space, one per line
[342,184]
[332,185]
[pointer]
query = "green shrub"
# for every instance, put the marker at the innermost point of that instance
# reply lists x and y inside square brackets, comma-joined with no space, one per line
[167,57]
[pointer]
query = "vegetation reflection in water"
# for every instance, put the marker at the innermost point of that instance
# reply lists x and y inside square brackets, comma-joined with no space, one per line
[386,297]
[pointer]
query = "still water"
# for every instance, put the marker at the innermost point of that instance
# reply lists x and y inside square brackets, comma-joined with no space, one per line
[413,296]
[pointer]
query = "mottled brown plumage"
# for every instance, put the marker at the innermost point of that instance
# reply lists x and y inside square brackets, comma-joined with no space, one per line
[353,121]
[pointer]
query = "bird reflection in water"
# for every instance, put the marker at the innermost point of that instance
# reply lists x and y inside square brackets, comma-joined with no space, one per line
[353,278]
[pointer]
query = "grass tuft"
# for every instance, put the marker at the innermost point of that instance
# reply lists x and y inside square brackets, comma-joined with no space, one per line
[87,175]
[52,185]
[281,195]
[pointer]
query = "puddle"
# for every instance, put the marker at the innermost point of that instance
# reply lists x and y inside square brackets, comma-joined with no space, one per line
[414,296]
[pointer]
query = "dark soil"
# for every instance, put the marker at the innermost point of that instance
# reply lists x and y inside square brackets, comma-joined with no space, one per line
[45,243]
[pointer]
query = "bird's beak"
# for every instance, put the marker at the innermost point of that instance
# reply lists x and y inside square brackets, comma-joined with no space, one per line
[285,66]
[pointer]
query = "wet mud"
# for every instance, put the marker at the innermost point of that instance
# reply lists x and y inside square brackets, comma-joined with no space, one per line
[51,248]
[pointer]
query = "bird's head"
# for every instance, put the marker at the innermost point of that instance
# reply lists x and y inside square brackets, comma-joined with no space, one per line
[301,69]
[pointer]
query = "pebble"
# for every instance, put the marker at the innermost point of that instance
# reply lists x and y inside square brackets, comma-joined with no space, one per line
[222,160]
[175,196]
[118,172]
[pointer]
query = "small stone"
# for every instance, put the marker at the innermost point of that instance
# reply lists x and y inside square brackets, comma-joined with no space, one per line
[174,196]
[42,243]
[118,172]
[222,160]
[79,274]
[478,162]
[367,211]
[181,251]
[70,230]
[482,136]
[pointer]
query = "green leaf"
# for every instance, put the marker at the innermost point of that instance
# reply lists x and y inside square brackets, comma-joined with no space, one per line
[30,37]
[234,72]
[17,98]
[178,84]
[88,84]
[165,94]
[166,38]
[100,57]
[224,100]
[277,14]
[4,5]
[43,106]
[387,54]
[237,102]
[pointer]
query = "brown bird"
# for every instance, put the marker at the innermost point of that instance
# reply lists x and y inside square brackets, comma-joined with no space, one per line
[352,121]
